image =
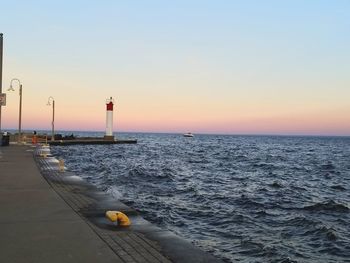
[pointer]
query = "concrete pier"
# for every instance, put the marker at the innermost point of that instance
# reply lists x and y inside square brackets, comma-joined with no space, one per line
[36,225]
[49,215]
[83,141]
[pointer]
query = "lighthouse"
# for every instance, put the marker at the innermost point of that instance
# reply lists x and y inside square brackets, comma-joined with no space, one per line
[109,119]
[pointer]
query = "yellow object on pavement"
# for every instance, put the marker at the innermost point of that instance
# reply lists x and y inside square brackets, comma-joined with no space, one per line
[121,218]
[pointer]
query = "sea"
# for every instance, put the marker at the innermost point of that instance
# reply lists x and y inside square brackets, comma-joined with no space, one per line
[240,198]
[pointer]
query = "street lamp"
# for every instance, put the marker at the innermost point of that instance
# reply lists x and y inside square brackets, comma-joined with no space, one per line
[20,107]
[53,116]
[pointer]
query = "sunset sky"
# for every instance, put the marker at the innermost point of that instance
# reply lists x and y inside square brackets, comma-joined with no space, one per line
[231,67]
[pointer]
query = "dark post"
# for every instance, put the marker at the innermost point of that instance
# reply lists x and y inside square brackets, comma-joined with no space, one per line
[1,46]
[20,115]
[53,121]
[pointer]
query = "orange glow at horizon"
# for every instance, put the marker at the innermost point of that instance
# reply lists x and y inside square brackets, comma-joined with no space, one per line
[317,123]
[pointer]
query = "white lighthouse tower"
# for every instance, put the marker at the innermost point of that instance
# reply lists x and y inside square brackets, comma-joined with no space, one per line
[109,119]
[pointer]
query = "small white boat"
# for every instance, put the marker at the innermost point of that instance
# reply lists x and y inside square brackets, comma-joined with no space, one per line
[188,134]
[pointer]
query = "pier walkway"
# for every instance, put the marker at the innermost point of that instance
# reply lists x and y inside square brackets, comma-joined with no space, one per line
[48,216]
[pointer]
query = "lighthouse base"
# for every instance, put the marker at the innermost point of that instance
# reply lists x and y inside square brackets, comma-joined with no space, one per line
[108,138]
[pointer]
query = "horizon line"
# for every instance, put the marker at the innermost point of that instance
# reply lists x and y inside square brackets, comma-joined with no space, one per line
[198,133]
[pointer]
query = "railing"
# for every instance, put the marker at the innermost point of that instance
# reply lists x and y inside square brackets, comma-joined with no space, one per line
[28,138]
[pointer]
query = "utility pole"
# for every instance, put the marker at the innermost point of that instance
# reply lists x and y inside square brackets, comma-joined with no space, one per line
[1,47]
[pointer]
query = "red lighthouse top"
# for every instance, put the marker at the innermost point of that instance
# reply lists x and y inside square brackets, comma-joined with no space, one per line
[109,104]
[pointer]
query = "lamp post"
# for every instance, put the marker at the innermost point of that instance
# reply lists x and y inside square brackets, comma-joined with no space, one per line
[20,107]
[53,117]
[1,51]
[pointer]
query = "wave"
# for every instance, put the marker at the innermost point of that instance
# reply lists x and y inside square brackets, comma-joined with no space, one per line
[328,167]
[263,165]
[327,206]
[142,173]
[248,202]
[323,231]
[338,187]
[276,185]
[301,221]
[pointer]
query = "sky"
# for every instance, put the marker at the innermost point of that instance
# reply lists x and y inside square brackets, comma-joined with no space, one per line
[222,67]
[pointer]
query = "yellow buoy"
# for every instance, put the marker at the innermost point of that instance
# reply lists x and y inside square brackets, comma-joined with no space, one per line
[121,218]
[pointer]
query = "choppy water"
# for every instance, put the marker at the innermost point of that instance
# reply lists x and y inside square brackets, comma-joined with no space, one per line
[242,198]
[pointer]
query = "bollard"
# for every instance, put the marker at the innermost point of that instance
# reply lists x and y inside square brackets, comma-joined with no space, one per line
[34,138]
[61,165]
[43,154]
